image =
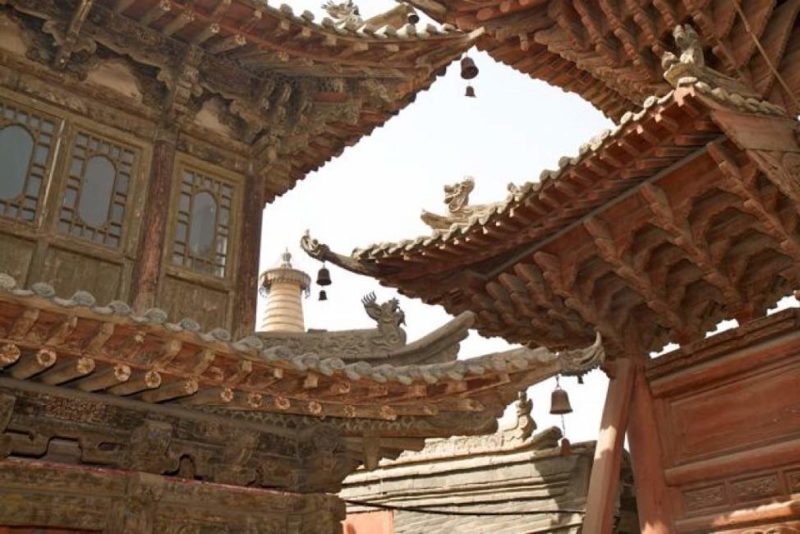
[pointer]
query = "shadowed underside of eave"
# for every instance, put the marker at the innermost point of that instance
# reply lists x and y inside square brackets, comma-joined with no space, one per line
[610,52]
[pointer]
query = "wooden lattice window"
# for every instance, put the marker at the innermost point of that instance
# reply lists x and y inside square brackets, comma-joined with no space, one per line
[97,190]
[26,142]
[203,224]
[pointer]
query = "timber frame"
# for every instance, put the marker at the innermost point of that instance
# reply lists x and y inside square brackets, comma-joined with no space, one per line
[683,215]
[610,52]
[244,92]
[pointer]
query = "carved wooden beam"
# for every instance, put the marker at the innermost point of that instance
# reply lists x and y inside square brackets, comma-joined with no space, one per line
[72,33]
[68,370]
[120,6]
[104,378]
[33,363]
[742,182]
[139,381]
[158,10]
[677,227]
[183,19]
[560,280]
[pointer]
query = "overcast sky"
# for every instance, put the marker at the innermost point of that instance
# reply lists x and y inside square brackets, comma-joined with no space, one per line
[375,190]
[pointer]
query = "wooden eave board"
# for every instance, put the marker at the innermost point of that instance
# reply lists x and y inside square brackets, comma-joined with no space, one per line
[686,243]
[281,30]
[184,365]
[620,44]
[589,189]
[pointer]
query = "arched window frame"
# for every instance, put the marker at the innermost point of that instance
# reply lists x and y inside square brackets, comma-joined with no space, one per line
[124,160]
[218,262]
[26,207]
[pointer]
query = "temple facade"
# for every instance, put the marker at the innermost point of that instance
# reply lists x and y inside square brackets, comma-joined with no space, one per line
[139,142]
[683,215]
[141,139]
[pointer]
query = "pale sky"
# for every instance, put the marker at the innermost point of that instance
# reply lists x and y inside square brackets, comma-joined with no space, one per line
[514,129]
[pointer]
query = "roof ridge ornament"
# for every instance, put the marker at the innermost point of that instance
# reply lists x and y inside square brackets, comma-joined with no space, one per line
[344,14]
[690,67]
[456,197]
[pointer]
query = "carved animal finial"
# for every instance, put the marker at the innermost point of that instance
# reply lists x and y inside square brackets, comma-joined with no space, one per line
[456,196]
[691,48]
[343,13]
[388,315]
[525,423]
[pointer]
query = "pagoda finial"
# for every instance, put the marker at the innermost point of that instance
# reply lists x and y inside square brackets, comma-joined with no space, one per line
[286,258]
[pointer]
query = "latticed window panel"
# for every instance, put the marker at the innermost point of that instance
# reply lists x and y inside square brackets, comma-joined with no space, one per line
[26,146]
[203,224]
[97,190]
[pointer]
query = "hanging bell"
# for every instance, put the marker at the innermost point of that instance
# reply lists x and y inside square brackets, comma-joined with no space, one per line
[468,68]
[559,402]
[324,277]
[323,295]
[412,17]
[470,92]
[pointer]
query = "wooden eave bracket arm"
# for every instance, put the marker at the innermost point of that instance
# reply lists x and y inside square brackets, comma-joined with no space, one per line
[578,362]
[322,252]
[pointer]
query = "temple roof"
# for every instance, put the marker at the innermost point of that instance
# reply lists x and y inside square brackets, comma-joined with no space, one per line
[610,52]
[681,216]
[75,343]
[299,91]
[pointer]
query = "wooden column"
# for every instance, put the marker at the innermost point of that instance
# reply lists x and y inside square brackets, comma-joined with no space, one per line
[147,267]
[245,299]
[604,482]
[652,499]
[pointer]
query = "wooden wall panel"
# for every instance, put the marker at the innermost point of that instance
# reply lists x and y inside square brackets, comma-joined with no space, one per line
[748,410]
[182,298]
[15,255]
[728,417]
[69,272]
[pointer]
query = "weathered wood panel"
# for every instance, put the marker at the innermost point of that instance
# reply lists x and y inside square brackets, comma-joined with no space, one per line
[728,419]
[15,255]
[182,298]
[68,271]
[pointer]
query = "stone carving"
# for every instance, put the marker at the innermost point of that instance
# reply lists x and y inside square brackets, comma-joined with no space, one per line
[345,14]
[691,48]
[355,344]
[456,197]
[690,67]
[389,317]
[525,425]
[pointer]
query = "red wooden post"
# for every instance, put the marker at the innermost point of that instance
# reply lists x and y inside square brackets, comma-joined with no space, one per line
[245,300]
[604,482]
[147,268]
[652,498]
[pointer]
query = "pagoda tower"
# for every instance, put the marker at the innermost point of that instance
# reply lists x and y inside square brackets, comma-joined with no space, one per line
[284,286]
